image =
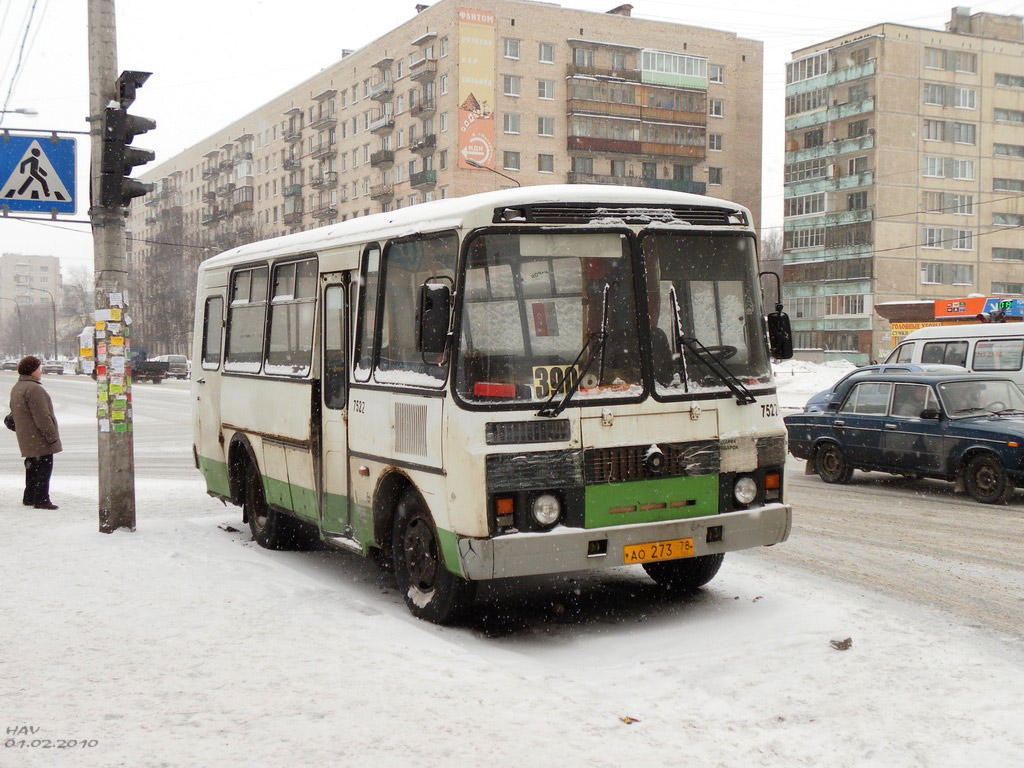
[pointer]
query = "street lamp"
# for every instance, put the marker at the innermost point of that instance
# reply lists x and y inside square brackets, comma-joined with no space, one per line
[53,306]
[475,164]
[21,330]
[28,112]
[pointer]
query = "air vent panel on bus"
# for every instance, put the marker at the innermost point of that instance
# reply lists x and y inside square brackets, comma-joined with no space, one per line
[587,213]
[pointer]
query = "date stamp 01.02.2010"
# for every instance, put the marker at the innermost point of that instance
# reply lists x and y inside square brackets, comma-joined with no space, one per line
[32,737]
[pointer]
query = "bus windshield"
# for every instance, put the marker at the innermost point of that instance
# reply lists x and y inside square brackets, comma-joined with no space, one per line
[549,314]
[703,298]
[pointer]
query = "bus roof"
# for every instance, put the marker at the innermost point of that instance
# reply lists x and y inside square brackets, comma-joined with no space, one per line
[967,331]
[472,210]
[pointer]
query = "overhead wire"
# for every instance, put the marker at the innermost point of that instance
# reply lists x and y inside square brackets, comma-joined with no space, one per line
[20,61]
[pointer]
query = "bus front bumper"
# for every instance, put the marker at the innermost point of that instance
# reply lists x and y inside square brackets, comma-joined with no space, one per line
[571,549]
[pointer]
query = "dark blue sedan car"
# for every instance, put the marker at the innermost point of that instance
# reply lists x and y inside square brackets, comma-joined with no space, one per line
[968,429]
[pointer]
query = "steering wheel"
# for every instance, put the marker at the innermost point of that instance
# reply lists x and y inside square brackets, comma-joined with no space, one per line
[722,351]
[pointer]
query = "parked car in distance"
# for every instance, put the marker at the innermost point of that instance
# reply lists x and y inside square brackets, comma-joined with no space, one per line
[53,366]
[818,402]
[177,365]
[965,428]
[9,365]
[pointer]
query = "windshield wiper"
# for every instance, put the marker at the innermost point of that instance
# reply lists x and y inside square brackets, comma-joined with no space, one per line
[595,343]
[743,395]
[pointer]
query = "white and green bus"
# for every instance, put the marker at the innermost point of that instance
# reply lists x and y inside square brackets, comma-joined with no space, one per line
[528,381]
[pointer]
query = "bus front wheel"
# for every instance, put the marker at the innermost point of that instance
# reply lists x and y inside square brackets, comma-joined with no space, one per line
[685,575]
[270,529]
[431,591]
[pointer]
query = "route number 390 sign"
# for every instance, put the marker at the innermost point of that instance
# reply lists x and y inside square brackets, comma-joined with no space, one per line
[549,379]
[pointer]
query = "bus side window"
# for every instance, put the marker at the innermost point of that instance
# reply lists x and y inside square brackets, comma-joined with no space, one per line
[362,356]
[334,368]
[213,324]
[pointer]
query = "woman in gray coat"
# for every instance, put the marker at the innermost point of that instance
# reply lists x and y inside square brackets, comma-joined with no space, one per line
[36,428]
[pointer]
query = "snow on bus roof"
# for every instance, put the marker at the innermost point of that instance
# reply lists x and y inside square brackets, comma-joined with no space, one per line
[451,212]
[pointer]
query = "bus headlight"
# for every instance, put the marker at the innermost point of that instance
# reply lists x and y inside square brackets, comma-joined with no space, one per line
[745,490]
[546,509]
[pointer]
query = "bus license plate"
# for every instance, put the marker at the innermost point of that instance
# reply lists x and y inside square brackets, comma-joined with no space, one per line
[654,551]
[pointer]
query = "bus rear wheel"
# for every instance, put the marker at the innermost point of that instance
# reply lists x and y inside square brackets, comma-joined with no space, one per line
[270,529]
[431,591]
[685,575]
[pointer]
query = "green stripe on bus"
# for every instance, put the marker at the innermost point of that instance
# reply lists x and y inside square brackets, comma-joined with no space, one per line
[650,501]
[450,550]
[216,475]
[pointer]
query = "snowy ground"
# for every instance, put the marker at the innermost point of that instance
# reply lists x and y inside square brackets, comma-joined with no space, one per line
[184,644]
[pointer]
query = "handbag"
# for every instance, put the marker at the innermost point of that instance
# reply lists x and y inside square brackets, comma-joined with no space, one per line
[9,421]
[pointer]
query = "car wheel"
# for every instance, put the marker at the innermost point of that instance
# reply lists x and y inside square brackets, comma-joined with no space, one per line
[431,591]
[831,464]
[685,575]
[986,480]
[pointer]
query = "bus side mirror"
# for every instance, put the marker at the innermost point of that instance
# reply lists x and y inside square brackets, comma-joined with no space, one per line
[780,334]
[435,307]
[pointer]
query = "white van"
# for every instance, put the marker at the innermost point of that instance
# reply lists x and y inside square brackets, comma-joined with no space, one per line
[984,347]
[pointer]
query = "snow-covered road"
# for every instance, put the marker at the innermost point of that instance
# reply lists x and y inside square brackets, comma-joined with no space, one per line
[184,644]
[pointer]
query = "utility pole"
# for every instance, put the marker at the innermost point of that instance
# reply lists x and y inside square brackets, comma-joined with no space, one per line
[112,355]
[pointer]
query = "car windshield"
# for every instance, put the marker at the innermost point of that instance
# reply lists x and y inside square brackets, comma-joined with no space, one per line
[963,399]
[537,308]
[702,287]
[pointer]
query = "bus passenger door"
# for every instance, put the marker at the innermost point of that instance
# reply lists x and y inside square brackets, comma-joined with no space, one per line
[334,506]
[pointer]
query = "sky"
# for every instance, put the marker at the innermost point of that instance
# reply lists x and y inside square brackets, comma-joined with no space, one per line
[214,62]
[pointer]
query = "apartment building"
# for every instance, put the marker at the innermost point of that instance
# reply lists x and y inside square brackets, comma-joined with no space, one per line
[904,171]
[463,98]
[28,284]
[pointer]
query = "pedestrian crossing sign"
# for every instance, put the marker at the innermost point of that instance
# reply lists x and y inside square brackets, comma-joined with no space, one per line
[37,174]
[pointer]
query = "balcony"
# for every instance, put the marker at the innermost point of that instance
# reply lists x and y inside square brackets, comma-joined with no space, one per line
[384,62]
[211,172]
[324,151]
[632,75]
[226,165]
[382,91]
[225,190]
[382,191]
[241,157]
[424,109]
[677,185]
[423,70]
[425,145]
[423,179]
[588,144]
[293,190]
[325,121]
[292,163]
[150,221]
[293,135]
[209,197]
[324,180]
[325,212]
[382,125]
[293,217]
[211,215]
[382,157]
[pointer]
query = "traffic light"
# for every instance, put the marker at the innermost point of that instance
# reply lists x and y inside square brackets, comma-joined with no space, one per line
[117,188]
[995,316]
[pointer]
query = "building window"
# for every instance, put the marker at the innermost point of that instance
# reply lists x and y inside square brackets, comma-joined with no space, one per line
[618,62]
[805,204]
[1008,150]
[856,129]
[807,67]
[545,53]
[583,165]
[1007,219]
[545,126]
[716,107]
[1007,289]
[546,89]
[444,84]
[857,165]
[583,57]
[857,93]
[1009,115]
[1009,81]
[716,73]
[951,61]
[512,85]
[546,163]
[1008,185]
[649,170]
[804,238]
[1008,254]
[948,168]
[511,121]
[857,201]
[511,161]
[511,48]
[947,274]
[805,102]
[805,170]
[814,138]
[714,176]
[618,168]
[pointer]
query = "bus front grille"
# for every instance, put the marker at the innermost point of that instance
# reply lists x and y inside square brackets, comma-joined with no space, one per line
[627,463]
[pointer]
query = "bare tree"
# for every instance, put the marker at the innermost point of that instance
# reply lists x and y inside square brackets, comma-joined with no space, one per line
[771,260]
